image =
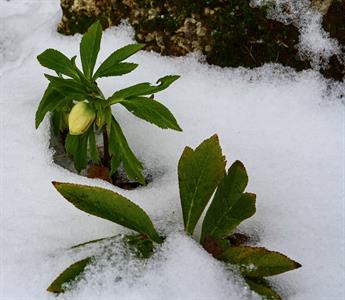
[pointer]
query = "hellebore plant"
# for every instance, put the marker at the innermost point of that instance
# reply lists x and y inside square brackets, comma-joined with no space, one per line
[200,173]
[78,105]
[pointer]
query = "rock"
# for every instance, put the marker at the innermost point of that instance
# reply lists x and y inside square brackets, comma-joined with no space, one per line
[334,23]
[322,5]
[228,33]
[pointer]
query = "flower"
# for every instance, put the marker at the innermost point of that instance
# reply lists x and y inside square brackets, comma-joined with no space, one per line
[80,118]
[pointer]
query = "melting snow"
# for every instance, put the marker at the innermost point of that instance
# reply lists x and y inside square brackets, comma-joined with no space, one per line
[287,128]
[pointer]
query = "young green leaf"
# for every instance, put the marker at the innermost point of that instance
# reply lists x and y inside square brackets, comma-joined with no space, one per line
[119,149]
[262,287]
[151,111]
[142,89]
[199,173]
[89,48]
[57,61]
[115,70]
[110,206]
[69,275]
[258,262]
[51,100]
[112,66]
[67,87]
[121,54]
[229,206]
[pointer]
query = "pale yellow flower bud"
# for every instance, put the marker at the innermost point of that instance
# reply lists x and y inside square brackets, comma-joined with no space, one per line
[80,118]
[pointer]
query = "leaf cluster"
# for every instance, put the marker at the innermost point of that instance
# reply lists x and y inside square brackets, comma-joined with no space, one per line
[201,174]
[72,85]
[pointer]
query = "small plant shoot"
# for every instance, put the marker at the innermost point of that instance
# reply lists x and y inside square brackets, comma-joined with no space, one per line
[201,173]
[79,107]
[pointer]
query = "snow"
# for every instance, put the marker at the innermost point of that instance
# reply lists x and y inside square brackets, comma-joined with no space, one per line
[286,127]
[315,43]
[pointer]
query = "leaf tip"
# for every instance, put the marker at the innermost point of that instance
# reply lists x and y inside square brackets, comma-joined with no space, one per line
[56,184]
[239,164]
[297,265]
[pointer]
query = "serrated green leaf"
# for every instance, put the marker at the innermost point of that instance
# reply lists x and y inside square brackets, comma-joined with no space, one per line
[112,66]
[263,288]
[229,206]
[89,48]
[67,87]
[151,111]
[69,275]
[57,61]
[199,173]
[115,70]
[119,149]
[258,261]
[50,101]
[110,206]
[143,89]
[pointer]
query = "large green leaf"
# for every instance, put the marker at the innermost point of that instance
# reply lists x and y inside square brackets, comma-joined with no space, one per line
[69,275]
[112,66]
[199,172]
[89,48]
[151,111]
[258,262]
[49,102]
[57,61]
[229,206]
[142,89]
[67,87]
[110,206]
[262,287]
[120,151]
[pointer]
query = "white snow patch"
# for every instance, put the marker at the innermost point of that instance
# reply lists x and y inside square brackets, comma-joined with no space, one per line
[287,128]
[314,42]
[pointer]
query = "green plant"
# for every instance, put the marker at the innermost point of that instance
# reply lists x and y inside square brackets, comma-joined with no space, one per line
[201,172]
[77,104]
[115,208]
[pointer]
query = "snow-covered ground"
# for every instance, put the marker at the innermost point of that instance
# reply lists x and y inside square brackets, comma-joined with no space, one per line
[286,127]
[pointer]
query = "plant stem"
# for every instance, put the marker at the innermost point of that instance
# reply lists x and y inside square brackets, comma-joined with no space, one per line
[106,155]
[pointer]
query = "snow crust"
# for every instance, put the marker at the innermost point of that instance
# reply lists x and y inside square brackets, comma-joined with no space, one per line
[286,127]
